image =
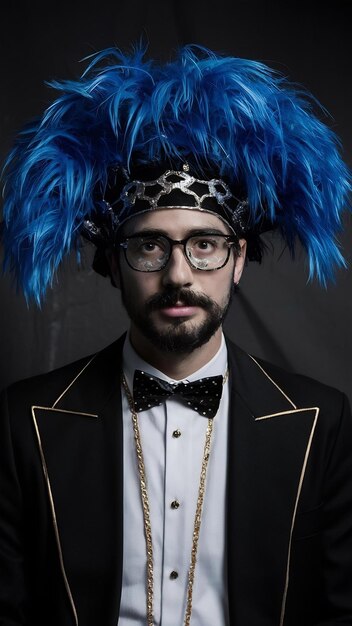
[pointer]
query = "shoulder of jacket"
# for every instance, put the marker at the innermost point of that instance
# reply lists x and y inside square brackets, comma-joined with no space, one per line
[300,387]
[43,389]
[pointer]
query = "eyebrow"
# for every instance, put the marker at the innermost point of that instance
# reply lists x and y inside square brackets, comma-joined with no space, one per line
[192,232]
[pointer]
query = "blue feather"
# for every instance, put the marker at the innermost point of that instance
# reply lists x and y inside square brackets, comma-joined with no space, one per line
[239,116]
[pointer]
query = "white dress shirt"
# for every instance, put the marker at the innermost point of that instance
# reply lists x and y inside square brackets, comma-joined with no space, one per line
[173,439]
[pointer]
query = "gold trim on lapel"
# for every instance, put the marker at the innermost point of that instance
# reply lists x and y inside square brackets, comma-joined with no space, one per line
[273,382]
[51,408]
[293,411]
[99,390]
[305,461]
[53,512]
[289,412]
[72,382]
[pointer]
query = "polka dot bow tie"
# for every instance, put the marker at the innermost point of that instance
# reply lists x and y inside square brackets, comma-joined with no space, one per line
[201,395]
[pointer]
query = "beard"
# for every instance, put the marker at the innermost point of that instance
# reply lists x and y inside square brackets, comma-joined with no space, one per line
[181,337]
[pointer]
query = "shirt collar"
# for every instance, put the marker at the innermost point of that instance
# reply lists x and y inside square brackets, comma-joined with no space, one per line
[132,361]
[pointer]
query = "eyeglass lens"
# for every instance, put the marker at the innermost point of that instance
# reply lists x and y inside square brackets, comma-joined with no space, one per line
[151,253]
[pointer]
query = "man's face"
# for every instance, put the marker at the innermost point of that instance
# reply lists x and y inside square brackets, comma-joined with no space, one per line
[177,308]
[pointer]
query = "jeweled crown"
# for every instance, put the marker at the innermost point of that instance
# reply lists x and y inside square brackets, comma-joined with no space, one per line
[172,189]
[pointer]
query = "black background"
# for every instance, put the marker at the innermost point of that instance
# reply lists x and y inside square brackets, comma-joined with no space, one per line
[277,314]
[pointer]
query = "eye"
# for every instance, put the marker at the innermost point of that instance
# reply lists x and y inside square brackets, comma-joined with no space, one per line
[148,246]
[204,244]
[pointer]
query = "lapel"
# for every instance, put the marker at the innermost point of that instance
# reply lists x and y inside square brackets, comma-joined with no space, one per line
[269,445]
[80,443]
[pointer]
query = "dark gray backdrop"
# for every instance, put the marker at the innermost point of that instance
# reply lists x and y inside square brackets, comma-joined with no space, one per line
[277,314]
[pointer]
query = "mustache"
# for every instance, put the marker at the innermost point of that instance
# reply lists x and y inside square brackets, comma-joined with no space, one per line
[172,297]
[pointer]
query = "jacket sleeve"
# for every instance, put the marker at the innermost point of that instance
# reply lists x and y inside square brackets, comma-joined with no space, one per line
[12,583]
[337,537]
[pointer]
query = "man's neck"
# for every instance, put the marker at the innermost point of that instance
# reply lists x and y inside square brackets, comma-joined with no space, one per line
[176,366]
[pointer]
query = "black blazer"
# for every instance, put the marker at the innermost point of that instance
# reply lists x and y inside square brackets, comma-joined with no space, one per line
[61,486]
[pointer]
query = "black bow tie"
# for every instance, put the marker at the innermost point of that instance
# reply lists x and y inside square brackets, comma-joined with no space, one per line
[202,395]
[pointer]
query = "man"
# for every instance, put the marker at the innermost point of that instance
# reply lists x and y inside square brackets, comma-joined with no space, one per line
[173,478]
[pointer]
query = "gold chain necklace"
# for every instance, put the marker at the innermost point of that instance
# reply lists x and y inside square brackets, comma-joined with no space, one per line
[146,509]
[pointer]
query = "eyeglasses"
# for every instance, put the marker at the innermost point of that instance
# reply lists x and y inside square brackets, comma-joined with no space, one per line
[203,251]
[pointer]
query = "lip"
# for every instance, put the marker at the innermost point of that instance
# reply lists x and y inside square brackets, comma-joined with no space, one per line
[179,310]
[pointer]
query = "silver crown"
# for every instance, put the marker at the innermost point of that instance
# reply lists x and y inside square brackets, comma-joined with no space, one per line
[212,196]
[168,182]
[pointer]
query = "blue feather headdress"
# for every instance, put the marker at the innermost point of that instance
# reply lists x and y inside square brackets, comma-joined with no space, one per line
[230,118]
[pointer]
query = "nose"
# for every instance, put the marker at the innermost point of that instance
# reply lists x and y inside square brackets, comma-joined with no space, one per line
[177,272]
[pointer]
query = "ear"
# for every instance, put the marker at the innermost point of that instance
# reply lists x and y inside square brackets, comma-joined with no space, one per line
[112,258]
[240,260]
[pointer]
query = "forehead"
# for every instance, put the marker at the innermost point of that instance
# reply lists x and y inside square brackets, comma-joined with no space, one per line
[175,222]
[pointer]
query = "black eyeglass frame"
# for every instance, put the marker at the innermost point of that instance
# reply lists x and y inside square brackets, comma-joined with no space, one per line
[231,241]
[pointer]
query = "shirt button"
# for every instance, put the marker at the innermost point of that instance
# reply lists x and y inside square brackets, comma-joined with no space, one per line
[176,433]
[174,575]
[175,504]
